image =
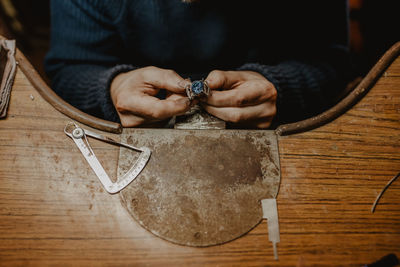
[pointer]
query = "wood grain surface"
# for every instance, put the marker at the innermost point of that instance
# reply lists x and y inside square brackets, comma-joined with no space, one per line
[332,175]
[53,210]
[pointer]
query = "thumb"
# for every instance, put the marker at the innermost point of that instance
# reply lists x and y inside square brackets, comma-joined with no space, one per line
[166,79]
[218,79]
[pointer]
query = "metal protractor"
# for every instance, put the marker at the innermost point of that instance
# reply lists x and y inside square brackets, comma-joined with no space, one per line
[79,136]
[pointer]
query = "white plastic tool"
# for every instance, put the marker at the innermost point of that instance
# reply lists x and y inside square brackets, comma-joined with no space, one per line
[270,212]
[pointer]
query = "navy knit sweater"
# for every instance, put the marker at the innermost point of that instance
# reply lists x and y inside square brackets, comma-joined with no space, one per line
[300,46]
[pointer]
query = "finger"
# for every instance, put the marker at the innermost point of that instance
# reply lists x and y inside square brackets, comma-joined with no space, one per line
[165,79]
[234,114]
[241,96]
[193,102]
[153,108]
[263,124]
[251,124]
[227,80]
[130,120]
[173,96]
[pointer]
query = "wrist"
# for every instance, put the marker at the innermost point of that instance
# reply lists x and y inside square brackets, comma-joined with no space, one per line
[117,81]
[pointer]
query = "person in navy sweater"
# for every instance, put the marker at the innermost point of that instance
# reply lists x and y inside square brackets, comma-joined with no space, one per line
[264,61]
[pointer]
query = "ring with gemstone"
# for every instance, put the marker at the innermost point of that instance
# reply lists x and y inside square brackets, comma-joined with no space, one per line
[197,89]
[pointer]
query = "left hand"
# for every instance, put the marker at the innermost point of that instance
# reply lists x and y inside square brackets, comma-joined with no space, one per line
[247,98]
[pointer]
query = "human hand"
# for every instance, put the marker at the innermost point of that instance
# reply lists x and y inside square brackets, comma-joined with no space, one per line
[247,98]
[133,95]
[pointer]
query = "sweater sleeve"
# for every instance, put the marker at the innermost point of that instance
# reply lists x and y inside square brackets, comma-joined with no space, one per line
[84,55]
[304,88]
[316,67]
[87,88]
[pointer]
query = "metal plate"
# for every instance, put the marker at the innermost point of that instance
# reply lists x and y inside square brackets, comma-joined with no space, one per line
[201,187]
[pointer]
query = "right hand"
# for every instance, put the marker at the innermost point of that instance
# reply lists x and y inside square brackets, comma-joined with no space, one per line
[133,95]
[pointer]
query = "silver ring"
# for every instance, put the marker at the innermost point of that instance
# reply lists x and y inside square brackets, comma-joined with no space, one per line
[197,89]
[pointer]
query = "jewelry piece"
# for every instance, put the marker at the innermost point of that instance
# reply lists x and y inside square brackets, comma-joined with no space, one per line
[197,89]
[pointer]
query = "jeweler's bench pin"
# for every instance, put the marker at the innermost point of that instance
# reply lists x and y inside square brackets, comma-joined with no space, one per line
[78,135]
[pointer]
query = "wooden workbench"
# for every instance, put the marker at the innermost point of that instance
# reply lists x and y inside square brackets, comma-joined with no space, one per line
[54,211]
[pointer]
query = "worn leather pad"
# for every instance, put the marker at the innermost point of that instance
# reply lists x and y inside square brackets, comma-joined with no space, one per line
[7,73]
[200,187]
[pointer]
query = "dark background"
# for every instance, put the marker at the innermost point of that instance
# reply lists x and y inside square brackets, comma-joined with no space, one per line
[373,29]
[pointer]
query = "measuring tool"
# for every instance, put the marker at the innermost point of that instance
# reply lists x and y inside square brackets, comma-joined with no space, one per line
[79,134]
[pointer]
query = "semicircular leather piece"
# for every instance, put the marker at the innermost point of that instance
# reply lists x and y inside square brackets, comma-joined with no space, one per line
[201,188]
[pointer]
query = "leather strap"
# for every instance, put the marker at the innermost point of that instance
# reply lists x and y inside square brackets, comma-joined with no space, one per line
[7,73]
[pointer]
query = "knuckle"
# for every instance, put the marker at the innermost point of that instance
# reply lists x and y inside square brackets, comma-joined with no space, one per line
[124,121]
[241,101]
[270,88]
[264,125]
[156,113]
[269,111]
[274,94]
[131,122]
[150,71]
[274,111]
[235,117]
[150,68]
[263,84]
[170,72]
[215,75]
[121,106]
[268,91]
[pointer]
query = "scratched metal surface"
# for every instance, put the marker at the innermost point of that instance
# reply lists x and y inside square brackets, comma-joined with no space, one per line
[200,187]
